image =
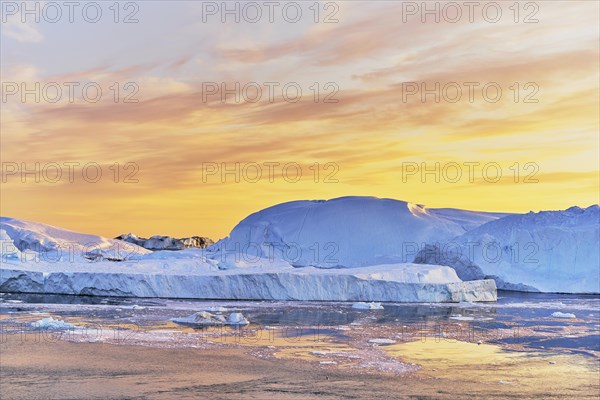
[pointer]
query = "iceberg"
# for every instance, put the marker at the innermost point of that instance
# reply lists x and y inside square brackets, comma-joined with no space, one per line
[389,283]
[345,232]
[54,244]
[548,251]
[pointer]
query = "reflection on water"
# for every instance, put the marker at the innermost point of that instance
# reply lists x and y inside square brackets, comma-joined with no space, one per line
[519,318]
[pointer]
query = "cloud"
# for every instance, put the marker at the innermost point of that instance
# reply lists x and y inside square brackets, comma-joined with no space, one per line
[23,32]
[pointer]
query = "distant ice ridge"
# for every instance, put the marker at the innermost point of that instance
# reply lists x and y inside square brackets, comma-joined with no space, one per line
[158,242]
[548,251]
[25,238]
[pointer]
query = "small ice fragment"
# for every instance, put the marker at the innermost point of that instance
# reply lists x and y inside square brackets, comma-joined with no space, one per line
[51,323]
[382,341]
[200,318]
[327,362]
[461,318]
[237,319]
[136,307]
[215,309]
[367,306]
[559,314]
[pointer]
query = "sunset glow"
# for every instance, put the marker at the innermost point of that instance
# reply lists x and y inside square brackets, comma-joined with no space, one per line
[370,132]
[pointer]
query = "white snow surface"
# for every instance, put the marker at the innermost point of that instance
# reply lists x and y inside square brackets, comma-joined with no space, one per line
[347,231]
[62,244]
[548,251]
[237,319]
[559,314]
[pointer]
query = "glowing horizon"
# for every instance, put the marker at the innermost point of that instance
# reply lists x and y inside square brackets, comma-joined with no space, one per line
[368,143]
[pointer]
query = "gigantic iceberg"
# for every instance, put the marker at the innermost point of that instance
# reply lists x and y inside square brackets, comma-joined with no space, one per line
[346,232]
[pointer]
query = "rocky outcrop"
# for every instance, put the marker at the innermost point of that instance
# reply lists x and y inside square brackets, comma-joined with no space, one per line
[166,242]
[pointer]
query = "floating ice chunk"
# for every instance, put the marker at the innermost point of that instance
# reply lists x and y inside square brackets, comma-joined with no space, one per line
[461,318]
[51,323]
[367,306]
[215,309]
[237,319]
[138,307]
[559,314]
[202,318]
[323,353]
[382,341]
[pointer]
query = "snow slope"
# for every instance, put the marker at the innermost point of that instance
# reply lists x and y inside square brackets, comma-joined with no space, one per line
[59,243]
[347,231]
[548,251]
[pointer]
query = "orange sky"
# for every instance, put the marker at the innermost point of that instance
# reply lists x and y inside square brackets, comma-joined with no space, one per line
[367,143]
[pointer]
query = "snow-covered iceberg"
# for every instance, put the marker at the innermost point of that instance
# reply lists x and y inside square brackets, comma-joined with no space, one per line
[548,251]
[347,231]
[58,244]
